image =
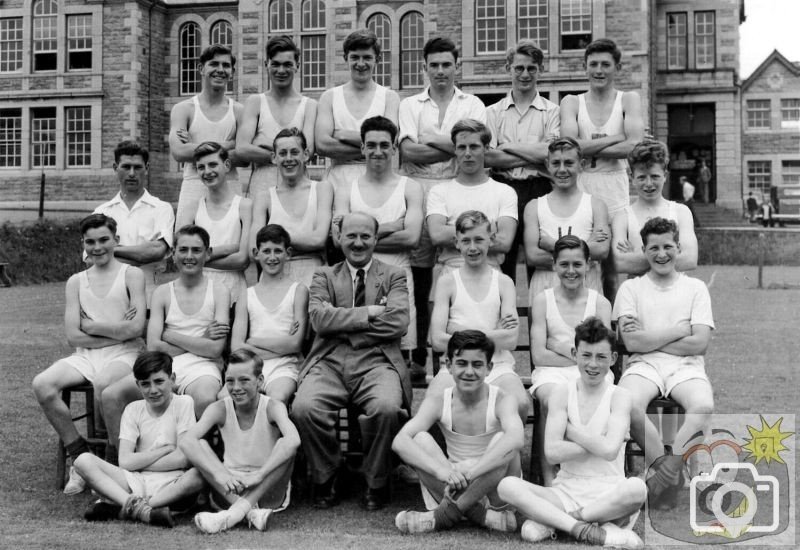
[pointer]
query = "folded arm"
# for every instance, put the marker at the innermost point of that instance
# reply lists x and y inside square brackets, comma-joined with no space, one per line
[606,445]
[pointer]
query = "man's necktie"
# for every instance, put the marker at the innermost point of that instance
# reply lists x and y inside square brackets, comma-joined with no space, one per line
[360,296]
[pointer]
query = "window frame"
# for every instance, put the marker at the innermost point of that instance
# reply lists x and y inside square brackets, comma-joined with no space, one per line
[681,42]
[486,24]
[712,45]
[87,49]
[11,49]
[38,145]
[790,113]
[541,42]
[11,138]
[288,16]
[411,56]
[383,69]
[44,48]
[71,136]
[790,168]
[755,114]
[311,80]
[562,18]
[188,77]
[759,170]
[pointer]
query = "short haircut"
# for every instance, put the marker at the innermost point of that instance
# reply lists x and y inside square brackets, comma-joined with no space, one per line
[130,148]
[360,213]
[439,44]
[361,39]
[217,49]
[648,153]
[93,221]
[194,231]
[273,233]
[151,362]
[659,226]
[379,124]
[282,43]
[209,148]
[471,219]
[603,45]
[462,340]
[241,355]
[292,132]
[570,242]
[564,144]
[472,126]
[592,330]
[526,47]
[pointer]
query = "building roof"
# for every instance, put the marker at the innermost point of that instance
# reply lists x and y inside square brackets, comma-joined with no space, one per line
[793,67]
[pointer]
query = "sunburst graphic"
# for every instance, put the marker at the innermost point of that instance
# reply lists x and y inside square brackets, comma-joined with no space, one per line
[766,443]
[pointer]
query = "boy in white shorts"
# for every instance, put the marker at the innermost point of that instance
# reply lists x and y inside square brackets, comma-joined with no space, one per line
[188,321]
[104,319]
[226,216]
[479,296]
[484,436]
[272,316]
[260,445]
[152,472]
[666,321]
[556,311]
[586,428]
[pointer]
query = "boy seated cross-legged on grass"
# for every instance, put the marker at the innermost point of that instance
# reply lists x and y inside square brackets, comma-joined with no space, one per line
[586,429]
[272,316]
[483,433]
[666,321]
[152,469]
[260,444]
[104,319]
[188,321]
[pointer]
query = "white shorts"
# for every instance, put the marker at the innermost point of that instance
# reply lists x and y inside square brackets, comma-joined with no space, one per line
[287,366]
[558,375]
[610,187]
[147,484]
[188,367]
[232,280]
[88,362]
[667,376]
[218,503]
[575,492]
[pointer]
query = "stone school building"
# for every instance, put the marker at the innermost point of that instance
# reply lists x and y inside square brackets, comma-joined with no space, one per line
[77,76]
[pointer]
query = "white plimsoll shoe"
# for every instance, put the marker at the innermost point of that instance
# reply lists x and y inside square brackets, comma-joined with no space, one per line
[212,522]
[258,518]
[75,484]
[409,521]
[533,531]
[617,537]
[501,520]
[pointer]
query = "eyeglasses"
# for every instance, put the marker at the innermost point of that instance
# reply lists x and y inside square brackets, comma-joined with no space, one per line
[519,69]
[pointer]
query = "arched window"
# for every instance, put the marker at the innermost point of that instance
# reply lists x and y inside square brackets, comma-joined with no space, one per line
[380,24]
[412,38]
[189,44]
[281,16]
[490,26]
[222,33]
[312,44]
[45,24]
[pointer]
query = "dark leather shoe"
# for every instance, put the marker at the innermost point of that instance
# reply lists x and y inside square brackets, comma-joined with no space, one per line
[375,498]
[325,494]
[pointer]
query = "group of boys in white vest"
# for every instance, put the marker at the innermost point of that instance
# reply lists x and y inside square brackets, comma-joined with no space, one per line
[429,259]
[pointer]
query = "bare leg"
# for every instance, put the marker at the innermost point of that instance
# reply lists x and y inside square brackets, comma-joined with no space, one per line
[697,399]
[204,392]
[643,430]
[48,386]
[108,480]
[538,503]
[114,400]
[429,445]
[188,484]
[548,470]
[282,389]
[111,373]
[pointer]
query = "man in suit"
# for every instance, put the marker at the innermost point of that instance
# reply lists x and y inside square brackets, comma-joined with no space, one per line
[359,311]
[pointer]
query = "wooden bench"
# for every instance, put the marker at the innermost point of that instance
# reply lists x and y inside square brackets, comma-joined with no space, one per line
[96,443]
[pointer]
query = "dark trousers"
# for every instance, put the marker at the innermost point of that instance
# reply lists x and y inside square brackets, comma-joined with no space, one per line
[528,189]
[423,281]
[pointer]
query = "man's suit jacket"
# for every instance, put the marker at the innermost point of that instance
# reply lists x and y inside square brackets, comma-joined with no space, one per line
[337,323]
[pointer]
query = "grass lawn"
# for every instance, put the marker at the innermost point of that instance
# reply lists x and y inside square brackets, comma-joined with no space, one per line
[751,363]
